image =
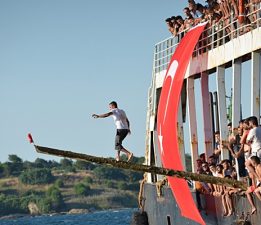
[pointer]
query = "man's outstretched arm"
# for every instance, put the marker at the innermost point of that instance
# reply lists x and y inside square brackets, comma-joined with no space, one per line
[95,116]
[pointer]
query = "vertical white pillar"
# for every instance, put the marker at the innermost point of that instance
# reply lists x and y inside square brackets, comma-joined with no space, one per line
[236,93]
[207,123]
[236,99]
[222,109]
[192,120]
[255,85]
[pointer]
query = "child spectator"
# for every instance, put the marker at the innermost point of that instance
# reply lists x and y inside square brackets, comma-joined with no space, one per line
[227,168]
[257,165]
[218,147]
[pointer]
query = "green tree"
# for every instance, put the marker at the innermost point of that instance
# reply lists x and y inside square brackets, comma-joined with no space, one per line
[109,173]
[10,204]
[9,169]
[28,165]
[134,176]
[66,163]
[14,159]
[13,167]
[59,183]
[53,164]
[82,189]
[41,163]
[1,170]
[44,205]
[36,176]
[54,195]
[110,184]
[88,180]
[83,165]
[122,185]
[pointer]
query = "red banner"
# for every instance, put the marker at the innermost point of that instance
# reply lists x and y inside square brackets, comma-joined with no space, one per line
[167,121]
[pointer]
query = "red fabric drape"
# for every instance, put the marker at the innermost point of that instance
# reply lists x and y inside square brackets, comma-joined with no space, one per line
[167,121]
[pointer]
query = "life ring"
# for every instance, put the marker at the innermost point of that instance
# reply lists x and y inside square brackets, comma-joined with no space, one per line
[139,218]
[241,11]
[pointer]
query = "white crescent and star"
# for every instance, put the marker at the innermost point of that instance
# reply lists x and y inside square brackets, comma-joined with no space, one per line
[171,73]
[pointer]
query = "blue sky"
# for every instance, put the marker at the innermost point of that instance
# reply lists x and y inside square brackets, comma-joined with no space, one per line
[62,60]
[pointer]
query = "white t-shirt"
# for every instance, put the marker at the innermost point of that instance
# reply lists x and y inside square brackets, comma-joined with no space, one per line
[120,118]
[254,137]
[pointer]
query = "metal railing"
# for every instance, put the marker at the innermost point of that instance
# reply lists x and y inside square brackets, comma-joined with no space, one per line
[213,36]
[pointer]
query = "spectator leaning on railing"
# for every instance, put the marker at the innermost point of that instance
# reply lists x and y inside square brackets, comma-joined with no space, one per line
[223,12]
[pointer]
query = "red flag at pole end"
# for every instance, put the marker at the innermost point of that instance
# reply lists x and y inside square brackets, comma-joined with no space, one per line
[30,138]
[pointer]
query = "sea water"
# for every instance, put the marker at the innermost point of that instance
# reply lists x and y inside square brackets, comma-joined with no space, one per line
[111,217]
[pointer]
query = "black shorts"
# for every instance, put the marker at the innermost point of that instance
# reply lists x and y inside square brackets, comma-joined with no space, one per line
[120,135]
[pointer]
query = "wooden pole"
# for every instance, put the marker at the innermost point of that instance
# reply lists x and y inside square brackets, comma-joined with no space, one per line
[142,168]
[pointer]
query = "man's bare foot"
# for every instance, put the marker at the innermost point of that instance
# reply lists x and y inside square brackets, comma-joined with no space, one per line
[130,157]
[253,211]
[229,213]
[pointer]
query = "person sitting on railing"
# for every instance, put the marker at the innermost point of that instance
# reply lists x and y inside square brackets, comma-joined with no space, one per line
[228,192]
[249,192]
[209,187]
[219,173]
[257,165]
[198,186]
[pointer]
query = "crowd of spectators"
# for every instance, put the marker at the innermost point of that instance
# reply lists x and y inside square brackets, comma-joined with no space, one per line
[221,12]
[244,146]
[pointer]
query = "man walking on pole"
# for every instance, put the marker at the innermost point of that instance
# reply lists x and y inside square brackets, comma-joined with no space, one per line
[123,128]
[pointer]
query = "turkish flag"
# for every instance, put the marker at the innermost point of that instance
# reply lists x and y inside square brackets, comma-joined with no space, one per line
[167,121]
